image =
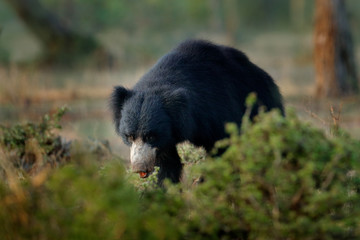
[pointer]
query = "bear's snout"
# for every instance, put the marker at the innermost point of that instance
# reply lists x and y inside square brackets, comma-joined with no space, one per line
[142,157]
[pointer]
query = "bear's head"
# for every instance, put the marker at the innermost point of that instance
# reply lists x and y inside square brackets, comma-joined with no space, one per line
[150,123]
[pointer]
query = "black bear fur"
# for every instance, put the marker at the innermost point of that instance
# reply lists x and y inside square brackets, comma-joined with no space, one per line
[188,95]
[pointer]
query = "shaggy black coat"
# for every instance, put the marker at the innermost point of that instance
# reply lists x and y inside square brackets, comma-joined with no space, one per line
[189,94]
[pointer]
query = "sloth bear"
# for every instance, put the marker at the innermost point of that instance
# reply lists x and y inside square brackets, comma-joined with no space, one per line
[188,95]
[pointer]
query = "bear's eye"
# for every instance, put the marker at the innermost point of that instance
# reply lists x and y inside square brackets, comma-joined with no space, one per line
[149,137]
[130,137]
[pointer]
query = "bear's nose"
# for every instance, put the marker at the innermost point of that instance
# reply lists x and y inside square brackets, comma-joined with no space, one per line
[142,169]
[138,167]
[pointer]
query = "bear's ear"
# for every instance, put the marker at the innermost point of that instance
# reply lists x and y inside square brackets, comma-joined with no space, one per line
[117,99]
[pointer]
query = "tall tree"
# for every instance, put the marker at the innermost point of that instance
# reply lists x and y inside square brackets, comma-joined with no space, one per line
[60,43]
[333,54]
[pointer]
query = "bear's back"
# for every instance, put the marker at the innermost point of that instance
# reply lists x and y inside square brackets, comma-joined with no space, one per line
[201,52]
[192,64]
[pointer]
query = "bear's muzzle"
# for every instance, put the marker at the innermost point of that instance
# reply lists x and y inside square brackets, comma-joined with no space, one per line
[142,158]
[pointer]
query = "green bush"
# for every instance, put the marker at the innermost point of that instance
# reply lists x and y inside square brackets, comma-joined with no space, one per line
[80,201]
[279,179]
[31,146]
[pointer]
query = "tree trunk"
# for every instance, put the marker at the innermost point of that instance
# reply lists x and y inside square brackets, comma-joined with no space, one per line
[335,70]
[61,44]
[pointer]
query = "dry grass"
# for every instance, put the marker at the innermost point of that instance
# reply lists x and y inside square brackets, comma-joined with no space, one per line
[21,87]
[329,114]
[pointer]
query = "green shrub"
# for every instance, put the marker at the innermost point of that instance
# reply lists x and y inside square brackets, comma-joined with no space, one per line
[31,146]
[278,179]
[79,201]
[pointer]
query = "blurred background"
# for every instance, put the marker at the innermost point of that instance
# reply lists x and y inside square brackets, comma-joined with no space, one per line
[72,52]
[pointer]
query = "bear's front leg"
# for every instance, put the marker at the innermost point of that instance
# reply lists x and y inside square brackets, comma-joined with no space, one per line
[170,165]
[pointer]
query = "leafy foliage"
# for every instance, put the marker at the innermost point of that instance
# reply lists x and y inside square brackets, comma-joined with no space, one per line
[31,144]
[282,179]
[278,179]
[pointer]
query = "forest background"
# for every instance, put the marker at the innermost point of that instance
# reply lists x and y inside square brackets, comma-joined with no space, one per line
[277,35]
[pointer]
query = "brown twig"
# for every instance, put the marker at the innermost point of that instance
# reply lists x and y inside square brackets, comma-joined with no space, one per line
[335,117]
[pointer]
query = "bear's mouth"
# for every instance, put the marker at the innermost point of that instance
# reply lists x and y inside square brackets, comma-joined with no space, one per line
[144,174]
